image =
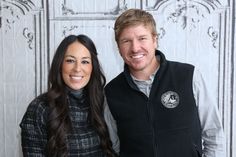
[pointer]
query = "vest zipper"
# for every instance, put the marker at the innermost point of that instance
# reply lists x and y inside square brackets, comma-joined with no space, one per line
[150,116]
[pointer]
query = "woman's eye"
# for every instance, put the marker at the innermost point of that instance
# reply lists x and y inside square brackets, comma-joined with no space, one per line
[70,61]
[85,62]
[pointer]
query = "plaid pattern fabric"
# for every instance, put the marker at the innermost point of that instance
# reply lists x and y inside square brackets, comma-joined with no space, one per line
[82,142]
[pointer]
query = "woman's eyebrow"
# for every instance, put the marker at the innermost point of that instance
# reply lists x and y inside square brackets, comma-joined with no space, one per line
[70,56]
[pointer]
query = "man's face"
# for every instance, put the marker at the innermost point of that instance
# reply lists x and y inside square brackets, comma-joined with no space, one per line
[137,47]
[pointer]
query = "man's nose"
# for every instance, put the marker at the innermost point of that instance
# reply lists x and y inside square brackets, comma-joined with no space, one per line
[135,46]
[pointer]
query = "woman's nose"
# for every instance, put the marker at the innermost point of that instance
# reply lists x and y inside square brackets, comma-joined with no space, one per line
[77,67]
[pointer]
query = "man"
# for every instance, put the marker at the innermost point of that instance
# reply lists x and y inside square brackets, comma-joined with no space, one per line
[158,108]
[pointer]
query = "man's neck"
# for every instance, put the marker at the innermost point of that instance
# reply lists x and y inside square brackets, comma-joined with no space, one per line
[146,73]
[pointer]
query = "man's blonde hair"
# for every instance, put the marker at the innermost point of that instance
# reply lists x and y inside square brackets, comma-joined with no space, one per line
[133,17]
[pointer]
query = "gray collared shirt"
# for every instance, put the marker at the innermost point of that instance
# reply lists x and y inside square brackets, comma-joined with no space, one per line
[145,85]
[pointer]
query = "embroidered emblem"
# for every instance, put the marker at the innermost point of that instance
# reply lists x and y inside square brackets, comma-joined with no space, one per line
[170,99]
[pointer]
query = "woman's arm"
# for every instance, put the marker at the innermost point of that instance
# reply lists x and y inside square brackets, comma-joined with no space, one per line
[33,130]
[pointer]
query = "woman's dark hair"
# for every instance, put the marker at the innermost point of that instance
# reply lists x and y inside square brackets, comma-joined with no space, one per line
[59,122]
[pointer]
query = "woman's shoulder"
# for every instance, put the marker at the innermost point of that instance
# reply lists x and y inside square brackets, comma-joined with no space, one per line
[37,110]
[38,104]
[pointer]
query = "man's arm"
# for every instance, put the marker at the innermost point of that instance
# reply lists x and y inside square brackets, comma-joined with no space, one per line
[212,131]
[112,128]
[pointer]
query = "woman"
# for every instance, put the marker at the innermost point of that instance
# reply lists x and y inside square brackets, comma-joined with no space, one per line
[68,120]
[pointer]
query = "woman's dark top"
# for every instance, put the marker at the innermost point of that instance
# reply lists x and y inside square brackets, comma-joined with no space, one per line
[83,141]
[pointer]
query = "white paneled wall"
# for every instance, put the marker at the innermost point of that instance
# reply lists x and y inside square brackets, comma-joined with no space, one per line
[201,32]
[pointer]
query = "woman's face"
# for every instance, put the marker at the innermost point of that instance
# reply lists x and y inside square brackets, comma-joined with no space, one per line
[77,66]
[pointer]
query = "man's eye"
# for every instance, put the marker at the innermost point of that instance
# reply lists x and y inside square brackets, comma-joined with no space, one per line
[142,38]
[124,41]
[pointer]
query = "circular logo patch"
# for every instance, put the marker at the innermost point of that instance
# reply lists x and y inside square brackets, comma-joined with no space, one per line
[170,99]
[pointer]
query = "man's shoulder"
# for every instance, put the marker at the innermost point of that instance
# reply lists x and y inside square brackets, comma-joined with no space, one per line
[116,81]
[180,65]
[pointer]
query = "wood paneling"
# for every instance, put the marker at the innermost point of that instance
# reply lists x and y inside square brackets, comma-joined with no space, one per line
[201,32]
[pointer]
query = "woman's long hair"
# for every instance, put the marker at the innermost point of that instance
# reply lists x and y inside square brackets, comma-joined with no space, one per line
[59,122]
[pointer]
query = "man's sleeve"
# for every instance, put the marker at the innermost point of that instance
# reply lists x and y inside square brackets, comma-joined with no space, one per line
[212,131]
[112,128]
